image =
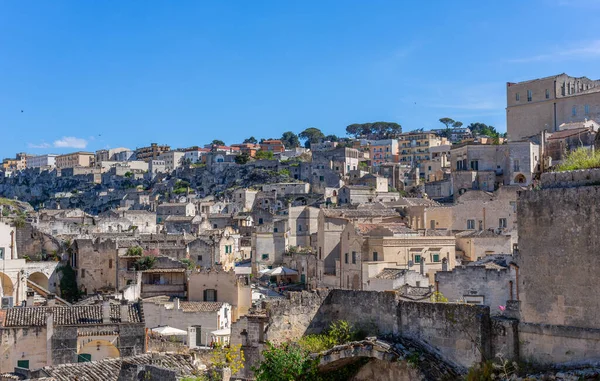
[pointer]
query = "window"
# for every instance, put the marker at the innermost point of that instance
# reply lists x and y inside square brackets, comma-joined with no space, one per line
[502,223]
[275,230]
[517,97]
[321,178]
[83,273]
[417,258]
[299,228]
[320,252]
[354,257]
[432,224]
[210,295]
[587,109]
[110,263]
[547,94]
[24,364]
[470,224]
[346,258]
[574,111]
[265,257]
[228,249]
[475,165]
[260,221]
[429,168]
[435,257]
[516,165]
[199,258]
[1,253]
[529,95]
[375,256]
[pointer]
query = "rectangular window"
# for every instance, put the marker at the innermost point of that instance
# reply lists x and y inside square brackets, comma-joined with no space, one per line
[529,95]
[1,253]
[435,257]
[346,258]
[354,257]
[375,256]
[517,97]
[471,224]
[210,295]
[265,257]
[417,258]
[574,111]
[275,230]
[321,178]
[199,258]
[502,223]
[475,165]
[587,109]
[83,273]
[547,94]
[320,252]
[24,364]
[516,165]
[299,228]
[110,263]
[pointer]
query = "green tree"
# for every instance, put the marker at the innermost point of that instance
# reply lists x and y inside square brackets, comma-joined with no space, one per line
[287,362]
[331,138]
[144,263]
[457,124]
[264,155]
[311,135]
[251,140]
[290,140]
[448,122]
[479,129]
[242,159]
[376,130]
[217,142]
[68,283]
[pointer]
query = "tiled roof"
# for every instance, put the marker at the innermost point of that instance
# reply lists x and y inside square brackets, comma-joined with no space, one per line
[185,306]
[362,213]
[175,270]
[390,273]
[393,228]
[180,218]
[75,315]
[566,133]
[109,369]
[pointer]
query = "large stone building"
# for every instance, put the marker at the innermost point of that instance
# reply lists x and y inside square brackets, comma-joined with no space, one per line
[75,159]
[35,337]
[151,152]
[546,103]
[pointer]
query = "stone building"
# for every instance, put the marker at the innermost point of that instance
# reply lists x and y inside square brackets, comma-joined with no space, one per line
[383,151]
[172,159]
[35,337]
[217,285]
[12,279]
[174,209]
[545,103]
[490,282]
[75,159]
[414,147]
[205,317]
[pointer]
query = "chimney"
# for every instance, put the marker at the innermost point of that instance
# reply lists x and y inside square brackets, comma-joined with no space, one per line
[51,301]
[30,296]
[105,312]
[423,267]
[444,265]
[124,311]
[176,304]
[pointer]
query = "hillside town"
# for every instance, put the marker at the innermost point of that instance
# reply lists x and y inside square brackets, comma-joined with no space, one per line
[443,247]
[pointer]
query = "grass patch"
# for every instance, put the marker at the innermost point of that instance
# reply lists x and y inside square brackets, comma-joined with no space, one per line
[581,158]
[7,201]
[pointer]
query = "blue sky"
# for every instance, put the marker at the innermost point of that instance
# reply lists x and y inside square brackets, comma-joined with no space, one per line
[97,74]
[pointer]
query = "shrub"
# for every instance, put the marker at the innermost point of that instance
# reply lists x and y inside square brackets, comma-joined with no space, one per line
[135,251]
[266,155]
[144,263]
[581,158]
[287,362]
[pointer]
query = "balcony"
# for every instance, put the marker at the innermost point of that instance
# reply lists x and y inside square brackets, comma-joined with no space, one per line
[149,290]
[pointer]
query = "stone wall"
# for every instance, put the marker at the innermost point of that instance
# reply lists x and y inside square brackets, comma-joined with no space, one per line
[559,239]
[461,333]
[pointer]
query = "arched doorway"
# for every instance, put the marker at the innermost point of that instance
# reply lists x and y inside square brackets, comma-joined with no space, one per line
[520,179]
[40,279]
[7,285]
[97,350]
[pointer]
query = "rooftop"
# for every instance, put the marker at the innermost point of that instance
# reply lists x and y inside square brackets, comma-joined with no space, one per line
[390,273]
[74,315]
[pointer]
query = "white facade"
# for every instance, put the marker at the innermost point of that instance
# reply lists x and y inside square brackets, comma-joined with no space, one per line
[172,159]
[40,161]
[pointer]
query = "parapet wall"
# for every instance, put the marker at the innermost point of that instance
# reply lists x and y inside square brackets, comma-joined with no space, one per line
[461,333]
[571,179]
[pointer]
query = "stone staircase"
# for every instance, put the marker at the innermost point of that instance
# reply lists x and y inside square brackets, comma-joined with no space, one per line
[41,293]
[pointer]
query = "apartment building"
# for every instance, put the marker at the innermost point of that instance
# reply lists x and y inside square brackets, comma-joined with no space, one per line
[383,151]
[273,145]
[75,159]
[172,159]
[546,103]
[17,164]
[414,146]
[41,161]
[151,152]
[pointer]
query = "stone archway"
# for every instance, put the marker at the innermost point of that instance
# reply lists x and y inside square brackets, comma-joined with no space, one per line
[520,179]
[98,350]
[40,279]
[8,287]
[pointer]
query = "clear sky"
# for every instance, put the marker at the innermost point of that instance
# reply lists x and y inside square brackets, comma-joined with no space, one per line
[97,74]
